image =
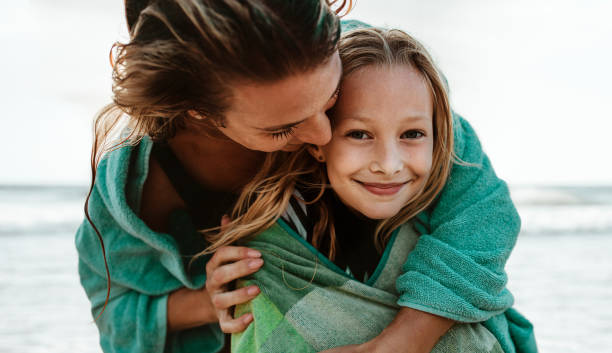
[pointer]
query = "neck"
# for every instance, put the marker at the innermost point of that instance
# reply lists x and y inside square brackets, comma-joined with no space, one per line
[214,160]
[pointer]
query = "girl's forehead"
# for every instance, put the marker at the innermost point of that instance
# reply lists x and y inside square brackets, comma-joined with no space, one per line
[375,90]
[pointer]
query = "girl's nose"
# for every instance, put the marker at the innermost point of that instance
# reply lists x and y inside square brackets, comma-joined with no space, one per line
[387,160]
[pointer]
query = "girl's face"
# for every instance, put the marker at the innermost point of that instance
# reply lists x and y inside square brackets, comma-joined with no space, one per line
[285,114]
[380,154]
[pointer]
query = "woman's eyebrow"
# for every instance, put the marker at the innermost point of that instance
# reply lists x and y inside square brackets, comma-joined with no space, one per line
[281,127]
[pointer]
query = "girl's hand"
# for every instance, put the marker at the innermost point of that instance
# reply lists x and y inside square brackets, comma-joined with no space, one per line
[228,264]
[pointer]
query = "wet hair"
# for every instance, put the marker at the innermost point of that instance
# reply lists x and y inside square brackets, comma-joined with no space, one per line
[267,196]
[183,57]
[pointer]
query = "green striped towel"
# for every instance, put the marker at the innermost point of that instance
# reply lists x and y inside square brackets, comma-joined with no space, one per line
[308,304]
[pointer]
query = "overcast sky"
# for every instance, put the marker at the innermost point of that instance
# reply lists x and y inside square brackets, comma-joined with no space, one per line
[533,77]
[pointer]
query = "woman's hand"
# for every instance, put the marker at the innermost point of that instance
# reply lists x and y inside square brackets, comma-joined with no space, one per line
[189,308]
[228,264]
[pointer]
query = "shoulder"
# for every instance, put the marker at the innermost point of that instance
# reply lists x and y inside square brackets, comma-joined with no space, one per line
[121,174]
[130,181]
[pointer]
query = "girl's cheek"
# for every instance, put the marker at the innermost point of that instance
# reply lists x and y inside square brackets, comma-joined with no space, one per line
[341,157]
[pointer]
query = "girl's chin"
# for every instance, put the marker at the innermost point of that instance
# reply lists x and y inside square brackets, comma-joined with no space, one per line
[373,213]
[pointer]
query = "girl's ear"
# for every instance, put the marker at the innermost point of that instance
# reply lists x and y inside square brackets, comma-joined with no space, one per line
[195,115]
[316,152]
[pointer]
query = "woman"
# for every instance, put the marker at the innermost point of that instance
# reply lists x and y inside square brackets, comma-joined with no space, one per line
[207,87]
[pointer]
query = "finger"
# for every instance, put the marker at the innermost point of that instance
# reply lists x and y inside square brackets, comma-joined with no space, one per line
[226,300]
[236,325]
[227,273]
[229,254]
[224,221]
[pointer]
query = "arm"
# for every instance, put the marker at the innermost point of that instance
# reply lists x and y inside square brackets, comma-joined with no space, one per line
[131,322]
[411,331]
[139,322]
[150,306]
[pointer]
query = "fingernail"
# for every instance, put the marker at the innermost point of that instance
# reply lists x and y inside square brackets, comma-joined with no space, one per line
[254,253]
[252,290]
[255,263]
[247,318]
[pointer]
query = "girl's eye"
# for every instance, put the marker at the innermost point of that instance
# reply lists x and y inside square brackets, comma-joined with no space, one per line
[283,134]
[412,134]
[357,135]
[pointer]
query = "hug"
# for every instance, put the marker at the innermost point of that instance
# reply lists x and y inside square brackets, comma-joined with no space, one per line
[296,181]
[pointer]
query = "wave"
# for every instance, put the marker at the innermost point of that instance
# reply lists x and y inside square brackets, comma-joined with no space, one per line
[561,195]
[566,219]
[40,209]
[549,210]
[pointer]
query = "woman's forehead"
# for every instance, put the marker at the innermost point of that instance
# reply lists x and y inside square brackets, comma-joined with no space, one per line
[288,100]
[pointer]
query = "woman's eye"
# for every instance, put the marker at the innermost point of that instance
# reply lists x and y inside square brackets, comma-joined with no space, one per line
[412,134]
[332,101]
[358,135]
[283,134]
[336,94]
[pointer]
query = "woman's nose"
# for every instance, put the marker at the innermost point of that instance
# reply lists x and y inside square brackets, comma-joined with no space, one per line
[315,130]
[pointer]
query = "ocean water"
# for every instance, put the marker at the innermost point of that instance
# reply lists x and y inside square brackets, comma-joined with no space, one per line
[560,271]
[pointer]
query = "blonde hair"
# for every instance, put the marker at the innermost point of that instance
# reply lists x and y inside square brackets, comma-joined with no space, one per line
[267,196]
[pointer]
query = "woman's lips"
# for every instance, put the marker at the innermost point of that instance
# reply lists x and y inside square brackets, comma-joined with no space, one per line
[382,189]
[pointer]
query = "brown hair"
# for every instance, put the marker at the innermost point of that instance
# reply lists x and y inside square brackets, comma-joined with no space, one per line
[267,196]
[183,55]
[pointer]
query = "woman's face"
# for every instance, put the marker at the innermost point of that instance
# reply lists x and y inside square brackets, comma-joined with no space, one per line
[381,152]
[285,114]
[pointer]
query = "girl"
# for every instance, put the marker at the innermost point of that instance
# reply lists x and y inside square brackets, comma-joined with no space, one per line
[389,157]
[205,87]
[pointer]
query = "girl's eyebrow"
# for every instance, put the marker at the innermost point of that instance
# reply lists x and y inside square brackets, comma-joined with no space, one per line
[365,119]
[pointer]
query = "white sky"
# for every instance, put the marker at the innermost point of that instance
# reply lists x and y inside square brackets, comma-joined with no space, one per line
[532,77]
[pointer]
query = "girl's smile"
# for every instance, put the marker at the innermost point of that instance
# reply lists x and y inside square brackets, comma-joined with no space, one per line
[382,189]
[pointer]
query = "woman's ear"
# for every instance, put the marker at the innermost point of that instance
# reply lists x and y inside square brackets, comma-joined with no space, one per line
[316,152]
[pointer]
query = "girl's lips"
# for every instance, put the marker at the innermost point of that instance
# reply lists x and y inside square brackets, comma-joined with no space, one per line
[382,189]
